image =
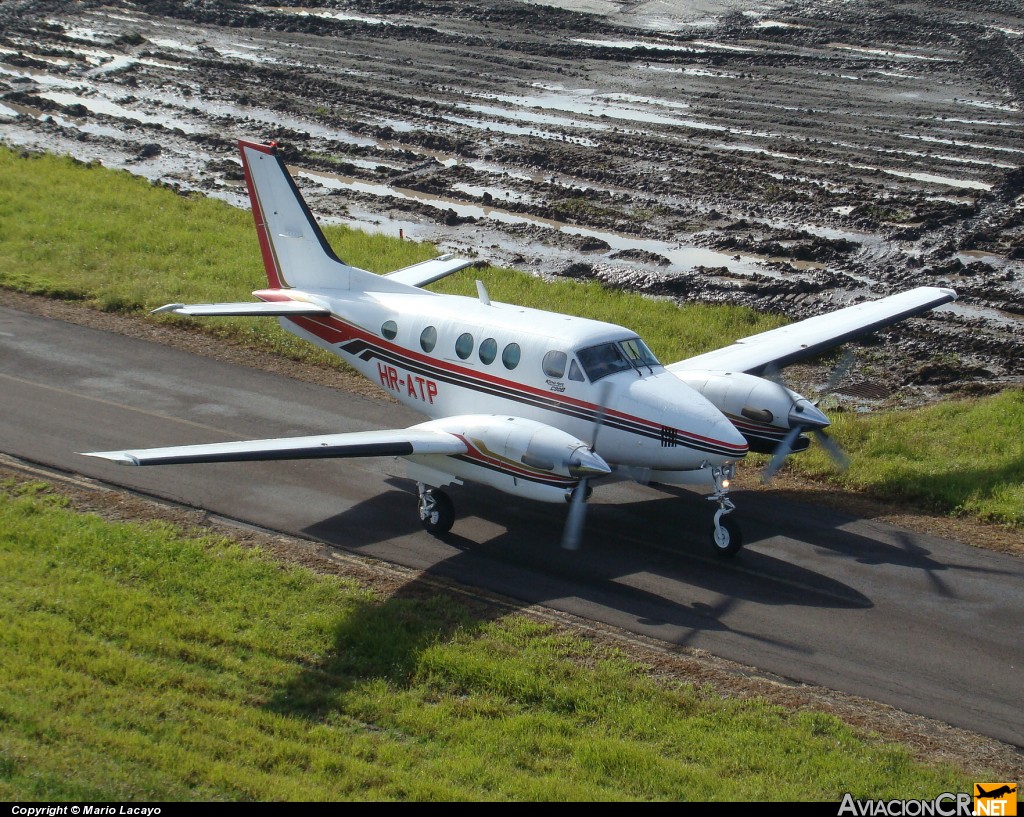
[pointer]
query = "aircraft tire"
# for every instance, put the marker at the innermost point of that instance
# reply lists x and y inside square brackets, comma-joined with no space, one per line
[727,539]
[437,513]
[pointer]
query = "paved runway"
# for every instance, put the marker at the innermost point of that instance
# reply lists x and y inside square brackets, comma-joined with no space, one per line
[923,624]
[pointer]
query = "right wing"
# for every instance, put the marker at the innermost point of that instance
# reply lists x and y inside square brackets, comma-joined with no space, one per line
[787,344]
[386,443]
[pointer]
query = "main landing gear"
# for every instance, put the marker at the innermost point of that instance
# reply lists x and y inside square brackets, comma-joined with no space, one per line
[437,513]
[726,539]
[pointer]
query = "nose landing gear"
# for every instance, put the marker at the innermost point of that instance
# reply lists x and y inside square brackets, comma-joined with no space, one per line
[726,538]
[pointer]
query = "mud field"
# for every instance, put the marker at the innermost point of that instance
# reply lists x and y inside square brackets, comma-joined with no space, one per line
[791,156]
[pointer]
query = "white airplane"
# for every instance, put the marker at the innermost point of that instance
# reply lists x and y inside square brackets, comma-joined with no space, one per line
[530,402]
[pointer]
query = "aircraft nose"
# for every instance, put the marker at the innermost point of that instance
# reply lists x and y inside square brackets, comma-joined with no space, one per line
[701,426]
[728,435]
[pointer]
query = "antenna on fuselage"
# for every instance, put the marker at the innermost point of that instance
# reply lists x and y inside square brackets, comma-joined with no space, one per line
[481,292]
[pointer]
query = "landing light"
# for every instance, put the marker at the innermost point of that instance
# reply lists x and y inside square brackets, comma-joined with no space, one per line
[725,483]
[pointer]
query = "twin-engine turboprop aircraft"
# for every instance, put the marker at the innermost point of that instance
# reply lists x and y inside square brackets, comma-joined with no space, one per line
[530,402]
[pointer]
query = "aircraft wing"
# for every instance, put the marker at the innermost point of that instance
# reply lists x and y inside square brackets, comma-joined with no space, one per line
[787,344]
[426,272]
[245,308]
[386,443]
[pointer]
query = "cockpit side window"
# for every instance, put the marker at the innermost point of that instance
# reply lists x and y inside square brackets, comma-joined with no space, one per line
[574,371]
[554,363]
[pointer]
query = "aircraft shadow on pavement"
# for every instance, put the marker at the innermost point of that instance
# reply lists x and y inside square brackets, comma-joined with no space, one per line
[677,586]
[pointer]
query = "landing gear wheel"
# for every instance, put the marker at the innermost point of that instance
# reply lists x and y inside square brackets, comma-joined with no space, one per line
[436,511]
[726,538]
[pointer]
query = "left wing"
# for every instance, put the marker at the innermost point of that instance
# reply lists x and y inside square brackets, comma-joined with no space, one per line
[426,272]
[244,308]
[387,443]
[787,344]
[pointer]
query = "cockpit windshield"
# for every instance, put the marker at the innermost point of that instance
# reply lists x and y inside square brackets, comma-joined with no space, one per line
[619,356]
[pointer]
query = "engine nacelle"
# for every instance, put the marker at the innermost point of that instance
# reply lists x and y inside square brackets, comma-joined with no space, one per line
[513,454]
[762,410]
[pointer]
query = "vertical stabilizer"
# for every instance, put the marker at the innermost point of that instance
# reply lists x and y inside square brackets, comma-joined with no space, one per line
[295,252]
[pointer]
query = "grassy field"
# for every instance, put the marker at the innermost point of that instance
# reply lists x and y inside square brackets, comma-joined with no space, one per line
[138,663]
[117,243]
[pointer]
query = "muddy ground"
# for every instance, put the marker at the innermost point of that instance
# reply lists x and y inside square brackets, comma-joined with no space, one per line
[792,156]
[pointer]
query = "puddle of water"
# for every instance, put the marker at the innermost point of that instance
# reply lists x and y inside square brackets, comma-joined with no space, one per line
[978,103]
[930,178]
[39,77]
[776,24]
[112,109]
[629,44]
[521,115]
[959,144]
[173,45]
[883,52]
[516,130]
[329,15]
[724,47]
[690,72]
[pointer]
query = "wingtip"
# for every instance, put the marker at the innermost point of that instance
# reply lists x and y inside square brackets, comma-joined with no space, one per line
[166,308]
[119,457]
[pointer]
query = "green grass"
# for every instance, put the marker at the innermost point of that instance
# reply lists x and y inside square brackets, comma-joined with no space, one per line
[118,243]
[137,663]
[963,457]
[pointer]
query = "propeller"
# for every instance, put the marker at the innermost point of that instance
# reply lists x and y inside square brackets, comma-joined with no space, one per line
[583,466]
[805,416]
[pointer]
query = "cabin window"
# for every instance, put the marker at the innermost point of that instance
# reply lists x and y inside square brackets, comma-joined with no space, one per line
[464,345]
[428,339]
[554,363]
[510,355]
[574,371]
[488,351]
[603,360]
[389,329]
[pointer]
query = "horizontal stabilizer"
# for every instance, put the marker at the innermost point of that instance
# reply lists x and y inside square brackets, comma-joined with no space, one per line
[803,339]
[426,272]
[386,443]
[247,308]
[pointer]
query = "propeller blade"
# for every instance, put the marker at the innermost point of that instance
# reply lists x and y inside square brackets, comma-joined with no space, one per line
[602,412]
[784,449]
[774,373]
[839,372]
[573,533]
[833,449]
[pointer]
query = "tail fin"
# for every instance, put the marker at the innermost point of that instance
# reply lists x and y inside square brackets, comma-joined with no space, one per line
[295,252]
